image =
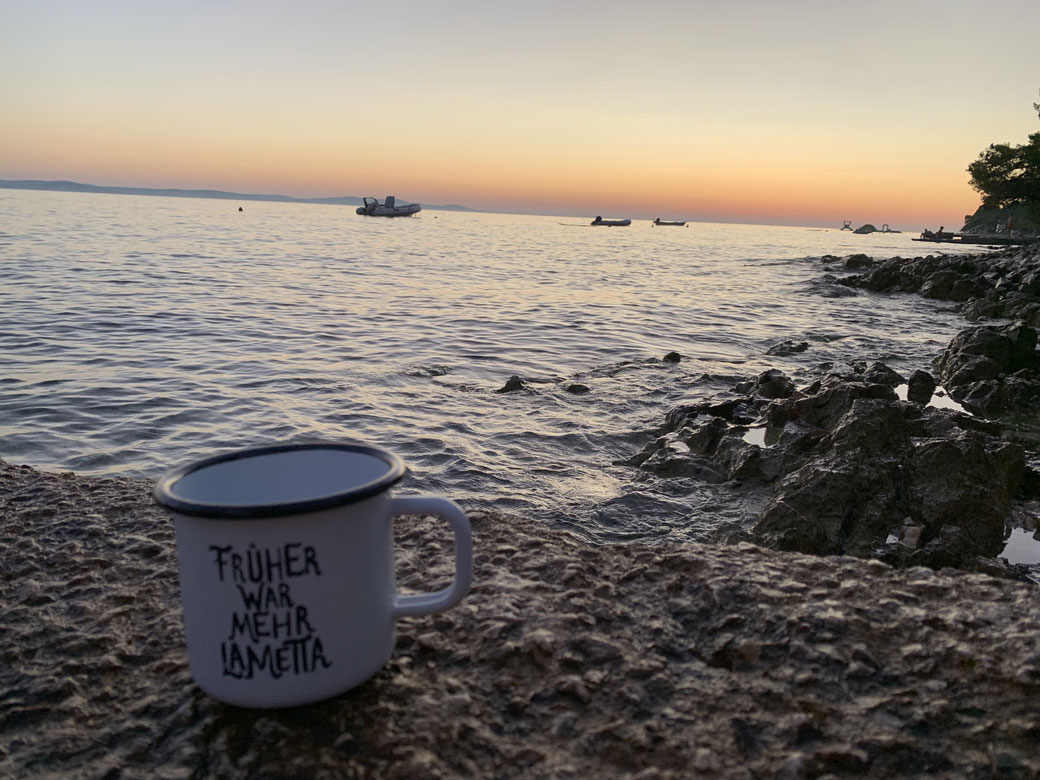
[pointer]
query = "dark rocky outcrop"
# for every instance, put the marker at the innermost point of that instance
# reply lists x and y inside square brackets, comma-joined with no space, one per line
[512,385]
[993,369]
[565,660]
[1000,285]
[920,387]
[851,469]
[849,262]
[849,465]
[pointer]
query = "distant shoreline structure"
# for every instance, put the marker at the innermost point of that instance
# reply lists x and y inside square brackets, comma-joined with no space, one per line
[72,186]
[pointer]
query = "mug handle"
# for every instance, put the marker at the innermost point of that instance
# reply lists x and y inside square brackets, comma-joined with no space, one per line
[427,603]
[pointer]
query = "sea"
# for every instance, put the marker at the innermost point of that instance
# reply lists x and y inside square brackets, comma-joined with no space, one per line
[140,333]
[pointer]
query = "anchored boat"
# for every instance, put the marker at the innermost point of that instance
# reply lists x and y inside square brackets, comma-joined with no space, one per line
[612,222]
[388,208]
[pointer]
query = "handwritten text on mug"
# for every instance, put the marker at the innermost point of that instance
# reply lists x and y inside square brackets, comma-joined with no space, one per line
[272,633]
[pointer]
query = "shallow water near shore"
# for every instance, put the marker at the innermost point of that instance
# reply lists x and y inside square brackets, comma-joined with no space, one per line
[139,333]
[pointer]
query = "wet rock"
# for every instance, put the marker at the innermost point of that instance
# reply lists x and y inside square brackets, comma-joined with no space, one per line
[672,357]
[848,464]
[746,462]
[857,261]
[577,388]
[874,470]
[993,369]
[1010,347]
[968,369]
[770,384]
[823,405]
[739,411]
[920,387]
[787,348]
[880,374]
[1002,284]
[512,384]
[830,287]
[677,461]
[966,480]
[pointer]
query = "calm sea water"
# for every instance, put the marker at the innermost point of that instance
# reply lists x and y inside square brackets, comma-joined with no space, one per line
[137,333]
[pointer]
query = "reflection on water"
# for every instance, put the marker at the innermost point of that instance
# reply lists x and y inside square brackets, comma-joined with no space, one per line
[763,435]
[1022,546]
[940,399]
[139,333]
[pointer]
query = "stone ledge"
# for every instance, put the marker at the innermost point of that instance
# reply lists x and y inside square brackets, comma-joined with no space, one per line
[566,660]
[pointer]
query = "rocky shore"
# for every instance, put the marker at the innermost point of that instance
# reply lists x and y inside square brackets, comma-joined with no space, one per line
[566,660]
[865,462]
[891,650]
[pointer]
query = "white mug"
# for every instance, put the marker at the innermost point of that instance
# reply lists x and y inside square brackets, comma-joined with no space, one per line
[287,572]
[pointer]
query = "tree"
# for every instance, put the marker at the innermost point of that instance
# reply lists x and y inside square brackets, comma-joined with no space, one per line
[1007,175]
[1008,179]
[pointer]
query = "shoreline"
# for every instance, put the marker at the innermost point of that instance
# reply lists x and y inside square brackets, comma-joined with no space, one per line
[574,660]
[934,469]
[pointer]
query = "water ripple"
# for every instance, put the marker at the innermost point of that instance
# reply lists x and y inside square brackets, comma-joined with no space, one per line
[139,333]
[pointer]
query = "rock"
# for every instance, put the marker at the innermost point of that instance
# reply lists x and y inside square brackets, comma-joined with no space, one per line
[822,665]
[577,389]
[787,348]
[966,481]
[672,357]
[852,465]
[920,387]
[992,369]
[512,384]
[824,406]
[830,287]
[857,261]
[873,471]
[968,369]
[773,384]
[880,374]
[1002,284]
[678,461]
[769,384]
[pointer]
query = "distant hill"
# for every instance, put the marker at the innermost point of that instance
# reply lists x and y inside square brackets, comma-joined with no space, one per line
[72,186]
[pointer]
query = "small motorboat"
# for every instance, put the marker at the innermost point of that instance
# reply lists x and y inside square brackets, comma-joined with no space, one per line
[612,222]
[661,222]
[388,208]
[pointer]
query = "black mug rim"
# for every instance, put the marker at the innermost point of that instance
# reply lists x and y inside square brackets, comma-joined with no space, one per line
[163,491]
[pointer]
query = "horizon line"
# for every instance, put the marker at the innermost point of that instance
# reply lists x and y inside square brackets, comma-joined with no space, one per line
[67,185]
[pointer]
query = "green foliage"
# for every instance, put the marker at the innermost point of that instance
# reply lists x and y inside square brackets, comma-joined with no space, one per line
[1005,175]
[1009,177]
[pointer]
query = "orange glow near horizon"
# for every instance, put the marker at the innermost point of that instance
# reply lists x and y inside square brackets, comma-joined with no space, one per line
[788,120]
[800,184]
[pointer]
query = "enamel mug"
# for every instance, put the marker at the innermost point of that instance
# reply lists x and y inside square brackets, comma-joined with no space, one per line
[287,568]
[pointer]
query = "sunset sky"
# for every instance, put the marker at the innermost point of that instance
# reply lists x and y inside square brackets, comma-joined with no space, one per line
[761,112]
